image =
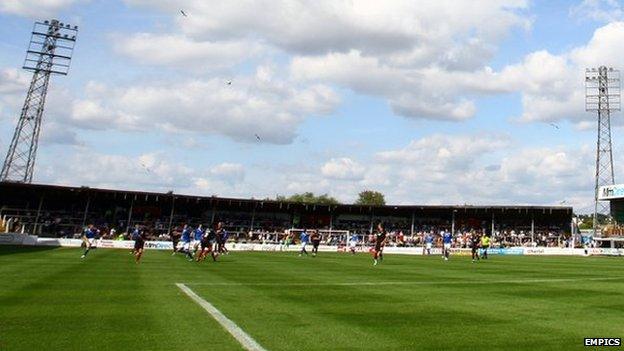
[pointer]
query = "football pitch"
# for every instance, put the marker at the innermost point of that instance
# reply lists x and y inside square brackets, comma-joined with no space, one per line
[52,300]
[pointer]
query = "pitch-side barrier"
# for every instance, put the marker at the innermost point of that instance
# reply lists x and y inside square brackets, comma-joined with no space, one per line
[33,240]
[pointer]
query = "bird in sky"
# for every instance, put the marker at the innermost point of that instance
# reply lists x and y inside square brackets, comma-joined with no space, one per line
[554,125]
[183,13]
[257,137]
[229,82]
[145,168]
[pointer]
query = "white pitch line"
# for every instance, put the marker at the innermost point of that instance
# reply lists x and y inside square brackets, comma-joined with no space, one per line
[243,338]
[457,282]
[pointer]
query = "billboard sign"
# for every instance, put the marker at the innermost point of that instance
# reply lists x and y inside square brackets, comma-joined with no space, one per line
[611,192]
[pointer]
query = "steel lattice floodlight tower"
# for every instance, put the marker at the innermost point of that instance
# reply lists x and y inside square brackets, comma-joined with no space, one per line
[49,52]
[602,95]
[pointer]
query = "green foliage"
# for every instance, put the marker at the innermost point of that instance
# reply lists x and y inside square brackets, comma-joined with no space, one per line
[309,198]
[371,197]
[587,221]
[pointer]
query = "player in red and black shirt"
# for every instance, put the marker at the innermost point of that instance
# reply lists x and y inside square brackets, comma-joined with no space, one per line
[380,242]
[140,236]
[316,240]
[207,245]
[175,239]
[475,240]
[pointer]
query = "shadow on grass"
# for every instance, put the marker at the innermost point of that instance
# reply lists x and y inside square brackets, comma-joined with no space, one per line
[18,249]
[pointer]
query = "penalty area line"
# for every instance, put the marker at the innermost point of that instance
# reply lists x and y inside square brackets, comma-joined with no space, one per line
[243,338]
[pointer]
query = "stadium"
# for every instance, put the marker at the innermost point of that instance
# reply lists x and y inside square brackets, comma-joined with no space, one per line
[502,240]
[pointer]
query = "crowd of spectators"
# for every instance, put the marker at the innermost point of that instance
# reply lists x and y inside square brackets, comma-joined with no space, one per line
[272,228]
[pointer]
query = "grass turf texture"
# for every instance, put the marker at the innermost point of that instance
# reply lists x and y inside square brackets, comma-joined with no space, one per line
[52,300]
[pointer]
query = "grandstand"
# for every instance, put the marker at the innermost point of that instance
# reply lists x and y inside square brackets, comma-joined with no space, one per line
[62,211]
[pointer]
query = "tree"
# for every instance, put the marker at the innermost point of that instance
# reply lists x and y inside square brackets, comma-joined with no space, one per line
[309,198]
[370,197]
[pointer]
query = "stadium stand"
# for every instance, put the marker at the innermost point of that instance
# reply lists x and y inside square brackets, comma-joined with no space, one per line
[61,211]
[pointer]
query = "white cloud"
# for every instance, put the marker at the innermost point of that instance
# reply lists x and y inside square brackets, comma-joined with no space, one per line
[449,169]
[342,168]
[181,51]
[552,86]
[153,171]
[598,10]
[13,85]
[261,104]
[35,8]
[228,172]
[390,49]
[340,26]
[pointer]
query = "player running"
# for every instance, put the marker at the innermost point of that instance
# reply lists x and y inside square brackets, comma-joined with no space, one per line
[186,242]
[380,242]
[139,238]
[198,234]
[222,237]
[175,239]
[474,245]
[447,239]
[88,238]
[304,238]
[207,245]
[316,240]
[353,241]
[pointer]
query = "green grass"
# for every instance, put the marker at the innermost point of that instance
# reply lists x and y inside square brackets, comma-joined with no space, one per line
[52,300]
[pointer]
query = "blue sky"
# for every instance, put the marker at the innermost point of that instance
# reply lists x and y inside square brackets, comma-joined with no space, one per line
[444,102]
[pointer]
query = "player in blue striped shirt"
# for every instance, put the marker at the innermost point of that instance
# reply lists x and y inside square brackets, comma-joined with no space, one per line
[304,237]
[88,238]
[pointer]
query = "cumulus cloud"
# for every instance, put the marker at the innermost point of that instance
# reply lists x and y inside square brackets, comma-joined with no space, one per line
[342,168]
[598,10]
[13,84]
[389,49]
[260,104]
[449,169]
[35,8]
[152,171]
[181,51]
[552,86]
[229,172]
[339,26]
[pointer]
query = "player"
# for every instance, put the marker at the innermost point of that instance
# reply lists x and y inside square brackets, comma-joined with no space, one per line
[428,243]
[207,245]
[88,238]
[135,232]
[186,242]
[485,245]
[198,234]
[222,237]
[447,239]
[175,239]
[316,240]
[287,241]
[304,238]
[380,242]
[139,244]
[353,241]
[474,245]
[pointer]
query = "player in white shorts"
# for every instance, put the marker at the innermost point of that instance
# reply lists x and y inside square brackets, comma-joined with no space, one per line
[447,239]
[353,243]
[428,243]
